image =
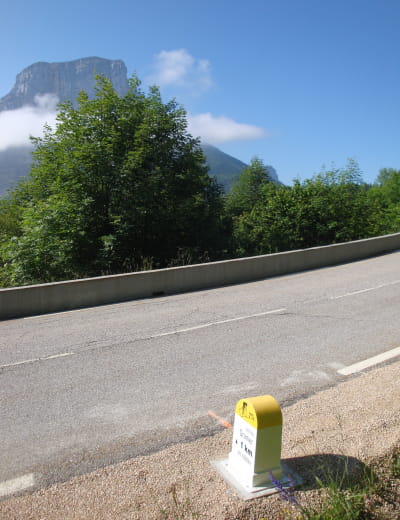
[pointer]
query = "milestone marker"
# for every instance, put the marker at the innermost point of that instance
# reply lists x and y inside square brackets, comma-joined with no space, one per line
[254,463]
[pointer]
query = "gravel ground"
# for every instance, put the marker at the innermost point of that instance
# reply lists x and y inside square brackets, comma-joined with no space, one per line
[356,421]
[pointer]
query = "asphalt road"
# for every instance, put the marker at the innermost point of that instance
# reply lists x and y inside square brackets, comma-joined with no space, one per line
[82,389]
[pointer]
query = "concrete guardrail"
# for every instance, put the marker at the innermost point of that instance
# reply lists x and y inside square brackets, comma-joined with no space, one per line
[61,296]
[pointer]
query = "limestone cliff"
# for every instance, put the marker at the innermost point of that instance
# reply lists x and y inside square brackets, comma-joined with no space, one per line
[65,80]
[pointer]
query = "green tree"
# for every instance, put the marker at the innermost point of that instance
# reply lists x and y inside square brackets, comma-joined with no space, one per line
[386,193]
[246,190]
[388,181]
[270,226]
[9,218]
[118,183]
[334,206]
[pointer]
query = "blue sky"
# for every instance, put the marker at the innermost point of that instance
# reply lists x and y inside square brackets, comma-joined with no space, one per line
[299,83]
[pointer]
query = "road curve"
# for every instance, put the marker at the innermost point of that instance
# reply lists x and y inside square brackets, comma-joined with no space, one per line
[86,388]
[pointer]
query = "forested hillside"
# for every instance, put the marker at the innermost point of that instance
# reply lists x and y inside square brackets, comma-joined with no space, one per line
[120,185]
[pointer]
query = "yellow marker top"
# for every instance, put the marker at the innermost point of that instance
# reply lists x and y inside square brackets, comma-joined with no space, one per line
[260,412]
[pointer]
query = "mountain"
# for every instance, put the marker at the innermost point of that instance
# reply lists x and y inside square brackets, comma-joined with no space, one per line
[14,164]
[227,168]
[65,80]
[222,166]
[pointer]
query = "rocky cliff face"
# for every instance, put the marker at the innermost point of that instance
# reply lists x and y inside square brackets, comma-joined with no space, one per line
[65,80]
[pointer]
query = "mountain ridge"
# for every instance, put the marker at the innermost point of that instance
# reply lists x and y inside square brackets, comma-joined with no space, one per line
[227,168]
[65,80]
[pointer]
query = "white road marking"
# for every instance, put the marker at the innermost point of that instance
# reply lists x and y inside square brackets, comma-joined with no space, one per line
[163,334]
[212,323]
[357,367]
[55,356]
[17,484]
[365,290]
[35,360]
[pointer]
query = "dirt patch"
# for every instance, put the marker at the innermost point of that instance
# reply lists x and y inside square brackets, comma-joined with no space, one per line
[348,425]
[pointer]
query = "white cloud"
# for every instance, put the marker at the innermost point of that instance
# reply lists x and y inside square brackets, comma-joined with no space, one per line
[221,129]
[179,68]
[17,125]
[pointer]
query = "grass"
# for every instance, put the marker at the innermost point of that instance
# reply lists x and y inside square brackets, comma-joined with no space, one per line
[182,507]
[372,494]
[344,492]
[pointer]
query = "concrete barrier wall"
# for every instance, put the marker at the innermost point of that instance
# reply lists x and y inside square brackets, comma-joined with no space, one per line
[61,296]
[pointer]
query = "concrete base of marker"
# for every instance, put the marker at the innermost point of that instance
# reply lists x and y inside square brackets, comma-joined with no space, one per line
[289,479]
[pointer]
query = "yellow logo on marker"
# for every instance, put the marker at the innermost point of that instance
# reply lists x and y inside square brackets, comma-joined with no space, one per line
[261,412]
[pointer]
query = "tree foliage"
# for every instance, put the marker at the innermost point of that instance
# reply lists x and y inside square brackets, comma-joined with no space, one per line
[246,190]
[118,183]
[386,193]
[334,206]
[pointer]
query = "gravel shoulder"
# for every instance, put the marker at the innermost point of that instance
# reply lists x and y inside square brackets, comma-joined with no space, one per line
[354,422]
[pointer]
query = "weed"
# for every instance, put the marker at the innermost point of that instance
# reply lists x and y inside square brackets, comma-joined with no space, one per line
[351,494]
[286,492]
[180,507]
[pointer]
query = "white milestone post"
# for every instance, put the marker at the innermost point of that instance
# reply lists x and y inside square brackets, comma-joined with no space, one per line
[254,465]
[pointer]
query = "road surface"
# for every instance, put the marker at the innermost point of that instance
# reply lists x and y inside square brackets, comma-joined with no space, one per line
[85,388]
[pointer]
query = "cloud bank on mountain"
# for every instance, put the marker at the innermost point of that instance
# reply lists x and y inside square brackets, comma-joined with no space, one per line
[16,126]
[175,70]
